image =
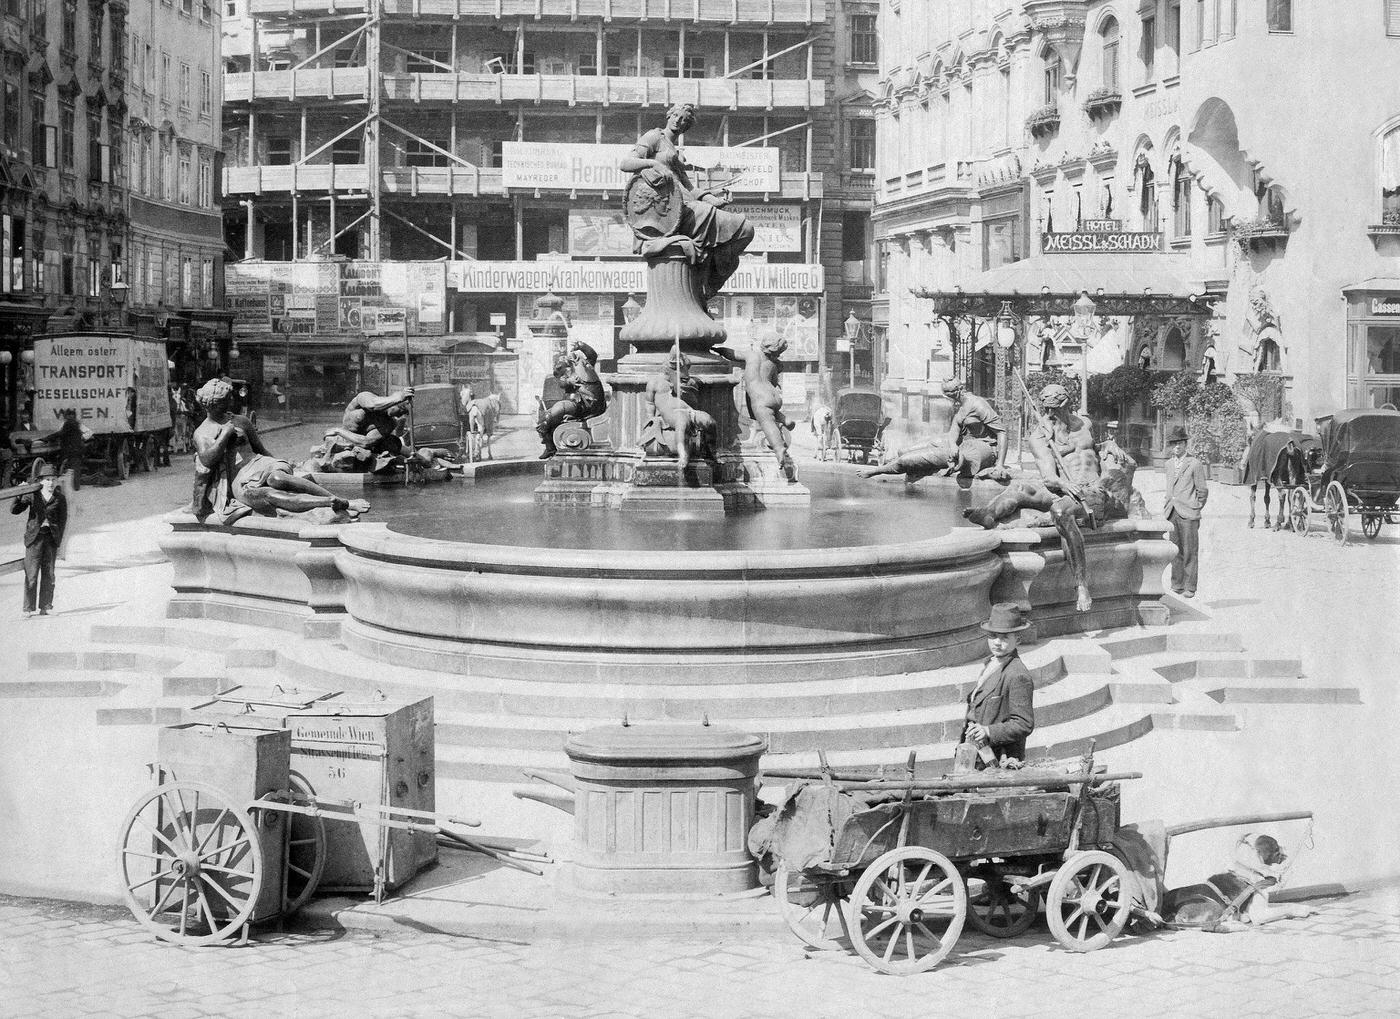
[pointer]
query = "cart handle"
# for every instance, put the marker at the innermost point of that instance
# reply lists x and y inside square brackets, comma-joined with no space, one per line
[1238,820]
[951,785]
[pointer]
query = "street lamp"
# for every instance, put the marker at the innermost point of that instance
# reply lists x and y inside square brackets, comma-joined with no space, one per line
[118,291]
[852,329]
[1084,309]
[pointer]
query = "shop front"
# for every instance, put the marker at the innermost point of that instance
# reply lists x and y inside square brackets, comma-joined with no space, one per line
[1373,343]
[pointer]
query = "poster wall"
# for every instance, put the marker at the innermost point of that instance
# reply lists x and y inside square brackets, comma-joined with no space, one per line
[750,318]
[592,318]
[579,167]
[336,298]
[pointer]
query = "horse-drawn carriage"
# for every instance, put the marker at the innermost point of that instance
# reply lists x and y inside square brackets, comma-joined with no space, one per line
[1354,470]
[860,420]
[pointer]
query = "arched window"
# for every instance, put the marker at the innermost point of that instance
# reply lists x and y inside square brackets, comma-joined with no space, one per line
[1181,200]
[1174,351]
[1052,77]
[1147,196]
[1267,357]
[1108,32]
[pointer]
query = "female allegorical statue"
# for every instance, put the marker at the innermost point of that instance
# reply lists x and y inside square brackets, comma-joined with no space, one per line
[666,210]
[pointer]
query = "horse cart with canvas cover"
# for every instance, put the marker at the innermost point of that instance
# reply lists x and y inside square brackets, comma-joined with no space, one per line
[1353,472]
[860,424]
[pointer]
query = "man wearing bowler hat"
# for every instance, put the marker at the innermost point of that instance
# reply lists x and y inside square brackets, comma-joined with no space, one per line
[43,535]
[1185,498]
[1000,712]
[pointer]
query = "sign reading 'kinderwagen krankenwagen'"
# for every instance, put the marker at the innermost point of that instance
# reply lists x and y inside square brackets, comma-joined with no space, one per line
[1097,242]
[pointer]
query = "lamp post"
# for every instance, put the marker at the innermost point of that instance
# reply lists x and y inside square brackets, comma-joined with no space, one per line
[1084,309]
[852,330]
[1006,343]
[118,291]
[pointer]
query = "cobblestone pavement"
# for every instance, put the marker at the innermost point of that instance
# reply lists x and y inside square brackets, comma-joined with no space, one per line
[69,961]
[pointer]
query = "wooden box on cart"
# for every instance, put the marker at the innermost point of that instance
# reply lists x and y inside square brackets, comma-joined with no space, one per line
[377,753]
[245,763]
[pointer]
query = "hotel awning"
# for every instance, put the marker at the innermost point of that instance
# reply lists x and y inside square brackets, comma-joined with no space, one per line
[1119,285]
[1382,284]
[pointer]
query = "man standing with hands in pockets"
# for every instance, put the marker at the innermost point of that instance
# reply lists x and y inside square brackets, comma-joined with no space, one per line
[1185,497]
[43,536]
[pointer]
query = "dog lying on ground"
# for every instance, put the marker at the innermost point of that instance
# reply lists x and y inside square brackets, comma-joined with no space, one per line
[1240,896]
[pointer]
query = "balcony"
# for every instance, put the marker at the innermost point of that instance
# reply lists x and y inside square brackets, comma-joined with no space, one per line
[256,180]
[727,12]
[309,83]
[571,90]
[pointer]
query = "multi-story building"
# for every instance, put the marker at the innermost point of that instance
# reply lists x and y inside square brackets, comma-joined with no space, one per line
[463,153]
[1002,123]
[175,253]
[108,140]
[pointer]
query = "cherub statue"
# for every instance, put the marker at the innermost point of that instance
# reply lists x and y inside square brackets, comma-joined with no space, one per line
[665,210]
[764,396]
[668,396]
[584,395]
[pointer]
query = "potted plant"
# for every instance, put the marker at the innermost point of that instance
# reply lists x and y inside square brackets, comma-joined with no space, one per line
[1103,101]
[1044,121]
[1218,430]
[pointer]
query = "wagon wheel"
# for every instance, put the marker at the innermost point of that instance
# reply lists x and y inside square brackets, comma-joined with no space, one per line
[808,906]
[306,850]
[1090,901]
[1335,503]
[1299,506]
[996,910]
[190,863]
[907,911]
[121,459]
[1371,524]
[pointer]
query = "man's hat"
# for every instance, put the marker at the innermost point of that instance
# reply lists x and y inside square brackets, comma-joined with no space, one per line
[1178,434]
[1054,395]
[1006,617]
[950,386]
[47,471]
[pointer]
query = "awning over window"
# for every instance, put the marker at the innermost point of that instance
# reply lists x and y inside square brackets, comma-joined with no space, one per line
[1119,284]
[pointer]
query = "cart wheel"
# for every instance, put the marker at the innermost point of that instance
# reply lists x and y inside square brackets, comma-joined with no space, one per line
[997,911]
[190,864]
[306,850]
[1299,501]
[808,906]
[1089,901]
[907,911]
[121,460]
[1335,503]
[1371,524]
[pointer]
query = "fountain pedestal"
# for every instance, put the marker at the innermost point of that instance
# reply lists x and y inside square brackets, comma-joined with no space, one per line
[615,471]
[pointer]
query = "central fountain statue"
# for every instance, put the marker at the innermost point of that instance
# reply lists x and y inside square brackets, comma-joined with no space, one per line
[671,437]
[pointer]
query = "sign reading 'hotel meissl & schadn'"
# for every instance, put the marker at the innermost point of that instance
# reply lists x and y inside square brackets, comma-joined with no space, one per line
[1100,235]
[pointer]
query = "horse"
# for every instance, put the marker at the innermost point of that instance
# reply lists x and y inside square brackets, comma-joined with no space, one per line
[824,427]
[482,414]
[1275,459]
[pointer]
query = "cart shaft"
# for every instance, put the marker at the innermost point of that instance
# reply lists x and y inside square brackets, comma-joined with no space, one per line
[1237,820]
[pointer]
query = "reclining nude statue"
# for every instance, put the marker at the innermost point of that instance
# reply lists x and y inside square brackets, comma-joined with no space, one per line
[235,475]
[674,425]
[666,210]
[1073,489]
[975,445]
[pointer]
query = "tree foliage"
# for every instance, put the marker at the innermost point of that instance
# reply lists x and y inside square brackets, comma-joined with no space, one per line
[1123,387]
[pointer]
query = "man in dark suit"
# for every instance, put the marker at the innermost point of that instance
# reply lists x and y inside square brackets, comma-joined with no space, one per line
[43,534]
[71,446]
[1185,498]
[1000,712]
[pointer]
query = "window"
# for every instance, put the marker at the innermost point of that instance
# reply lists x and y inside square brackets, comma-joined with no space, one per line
[165,77]
[1109,34]
[346,151]
[1215,215]
[495,158]
[95,34]
[1149,49]
[207,283]
[70,27]
[614,66]
[1147,201]
[98,170]
[882,267]
[39,133]
[231,9]
[865,41]
[587,63]
[187,281]
[118,42]
[1200,23]
[671,67]
[1052,77]
[94,272]
[206,11]
[1390,177]
[1181,201]
[206,94]
[507,61]
[346,56]
[419,153]
[1392,17]
[1232,15]
[1106,198]
[186,193]
[206,184]
[11,115]
[1174,34]
[187,7]
[66,141]
[39,18]
[1279,15]
[862,144]
[184,86]
[150,64]
[423,61]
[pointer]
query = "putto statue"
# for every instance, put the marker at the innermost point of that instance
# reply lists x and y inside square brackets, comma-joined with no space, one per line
[584,396]
[975,445]
[1074,488]
[665,210]
[674,426]
[235,475]
[764,397]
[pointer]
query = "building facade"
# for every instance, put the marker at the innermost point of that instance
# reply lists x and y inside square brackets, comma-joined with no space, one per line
[1002,123]
[382,138]
[175,252]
